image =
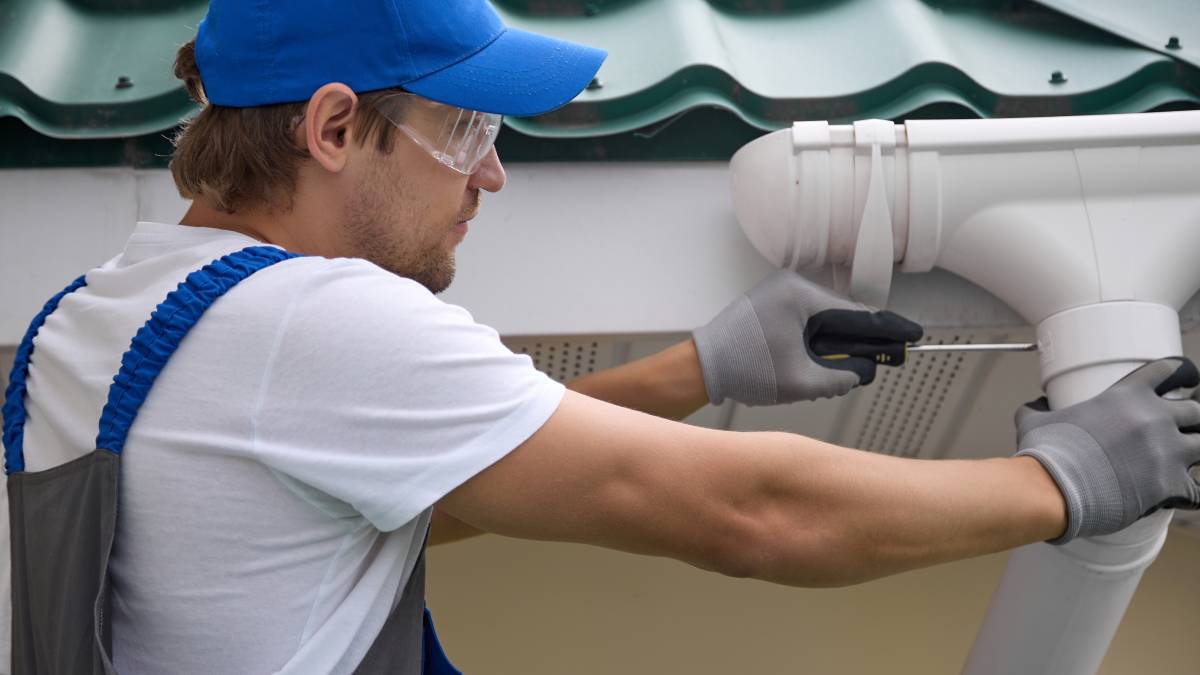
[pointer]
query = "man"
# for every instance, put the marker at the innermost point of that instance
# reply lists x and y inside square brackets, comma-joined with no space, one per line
[323,415]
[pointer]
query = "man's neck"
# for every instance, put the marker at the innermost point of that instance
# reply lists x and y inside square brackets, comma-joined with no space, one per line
[199,215]
[303,228]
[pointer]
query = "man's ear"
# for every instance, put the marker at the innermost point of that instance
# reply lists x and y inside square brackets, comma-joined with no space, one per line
[327,125]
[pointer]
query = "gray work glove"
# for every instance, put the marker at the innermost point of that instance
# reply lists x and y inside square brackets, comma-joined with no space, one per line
[1122,455]
[758,350]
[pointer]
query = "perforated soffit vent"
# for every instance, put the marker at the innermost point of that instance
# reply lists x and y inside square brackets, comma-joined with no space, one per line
[565,359]
[906,404]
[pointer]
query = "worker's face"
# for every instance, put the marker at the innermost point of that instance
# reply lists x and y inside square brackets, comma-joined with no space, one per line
[409,213]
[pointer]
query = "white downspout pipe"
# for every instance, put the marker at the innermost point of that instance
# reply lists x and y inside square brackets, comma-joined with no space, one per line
[1087,226]
[1057,608]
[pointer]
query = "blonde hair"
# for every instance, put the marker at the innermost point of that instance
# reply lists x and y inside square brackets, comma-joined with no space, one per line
[237,158]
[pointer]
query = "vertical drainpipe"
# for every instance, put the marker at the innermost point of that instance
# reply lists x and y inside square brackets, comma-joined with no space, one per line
[1057,608]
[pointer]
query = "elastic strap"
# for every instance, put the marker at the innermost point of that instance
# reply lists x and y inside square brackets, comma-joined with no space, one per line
[158,339]
[14,395]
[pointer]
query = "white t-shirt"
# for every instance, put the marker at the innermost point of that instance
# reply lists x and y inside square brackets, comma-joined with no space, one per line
[278,483]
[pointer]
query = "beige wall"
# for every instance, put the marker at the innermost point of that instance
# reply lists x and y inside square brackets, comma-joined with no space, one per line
[512,607]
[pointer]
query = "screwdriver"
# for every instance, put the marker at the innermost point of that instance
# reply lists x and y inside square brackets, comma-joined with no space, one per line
[896,353]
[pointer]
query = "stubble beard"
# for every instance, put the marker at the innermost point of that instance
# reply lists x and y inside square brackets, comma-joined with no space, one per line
[373,236]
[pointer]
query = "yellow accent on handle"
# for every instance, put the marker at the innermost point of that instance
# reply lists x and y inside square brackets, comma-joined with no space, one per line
[879,358]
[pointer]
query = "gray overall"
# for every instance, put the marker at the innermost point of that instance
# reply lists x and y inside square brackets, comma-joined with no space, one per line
[63,519]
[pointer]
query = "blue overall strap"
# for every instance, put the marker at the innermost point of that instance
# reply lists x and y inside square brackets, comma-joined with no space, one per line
[14,395]
[161,335]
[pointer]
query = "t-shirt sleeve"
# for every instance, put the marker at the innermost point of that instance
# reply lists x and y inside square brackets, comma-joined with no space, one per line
[384,397]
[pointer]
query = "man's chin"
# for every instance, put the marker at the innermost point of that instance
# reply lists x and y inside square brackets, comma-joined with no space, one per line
[438,288]
[438,278]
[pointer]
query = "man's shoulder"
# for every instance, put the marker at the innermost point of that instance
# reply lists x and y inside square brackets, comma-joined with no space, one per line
[339,298]
[350,283]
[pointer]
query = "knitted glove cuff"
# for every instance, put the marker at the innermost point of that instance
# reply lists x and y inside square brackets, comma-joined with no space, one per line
[734,357]
[1085,477]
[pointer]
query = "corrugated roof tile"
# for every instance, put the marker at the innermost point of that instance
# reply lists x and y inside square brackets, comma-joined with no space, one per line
[849,59]
[698,76]
[94,68]
[1171,28]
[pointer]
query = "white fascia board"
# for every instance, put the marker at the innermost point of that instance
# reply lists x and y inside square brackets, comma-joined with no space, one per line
[565,249]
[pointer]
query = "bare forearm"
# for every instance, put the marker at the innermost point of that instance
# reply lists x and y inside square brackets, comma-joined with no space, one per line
[828,516]
[667,384]
[774,506]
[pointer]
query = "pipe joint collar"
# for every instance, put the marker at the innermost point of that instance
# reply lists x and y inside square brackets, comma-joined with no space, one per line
[1086,349]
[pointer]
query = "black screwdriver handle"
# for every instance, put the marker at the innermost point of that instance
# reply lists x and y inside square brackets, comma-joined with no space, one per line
[837,347]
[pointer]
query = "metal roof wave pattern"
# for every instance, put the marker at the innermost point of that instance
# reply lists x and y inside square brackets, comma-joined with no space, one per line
[704,73]
[847,59]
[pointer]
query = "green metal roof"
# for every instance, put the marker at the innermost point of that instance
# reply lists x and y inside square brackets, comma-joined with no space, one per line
[685,78]
[1169,27]
[854,59]
[94,68]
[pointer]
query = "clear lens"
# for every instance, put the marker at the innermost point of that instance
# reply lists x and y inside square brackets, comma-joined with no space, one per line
[456,137]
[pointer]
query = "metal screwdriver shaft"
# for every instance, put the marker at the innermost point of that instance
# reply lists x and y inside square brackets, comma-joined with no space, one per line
[896,354]
[997,347]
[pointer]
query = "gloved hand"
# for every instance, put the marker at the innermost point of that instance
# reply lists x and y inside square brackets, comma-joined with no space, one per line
[1123,454]
[757,351]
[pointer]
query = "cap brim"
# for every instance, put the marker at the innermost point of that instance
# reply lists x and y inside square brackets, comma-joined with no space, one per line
[519,73]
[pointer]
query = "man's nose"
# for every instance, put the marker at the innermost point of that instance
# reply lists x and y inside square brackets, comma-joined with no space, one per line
[490,175]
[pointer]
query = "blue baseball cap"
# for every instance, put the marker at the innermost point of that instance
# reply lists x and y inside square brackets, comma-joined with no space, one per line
[457,52]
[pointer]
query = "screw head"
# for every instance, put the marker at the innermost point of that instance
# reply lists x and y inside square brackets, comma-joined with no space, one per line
[595,84]
[1173,42]
[1057,77]
[123,82]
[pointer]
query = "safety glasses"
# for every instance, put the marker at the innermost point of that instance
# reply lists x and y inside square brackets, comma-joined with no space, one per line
[456,137]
